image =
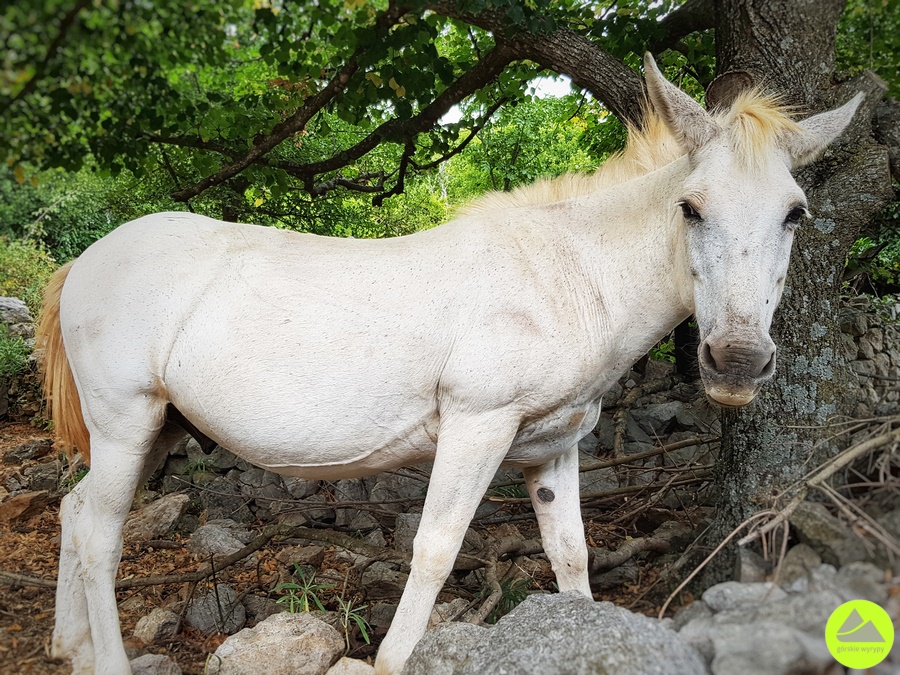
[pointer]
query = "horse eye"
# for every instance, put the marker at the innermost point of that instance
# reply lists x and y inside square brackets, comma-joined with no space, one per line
[795,215]
[689,211]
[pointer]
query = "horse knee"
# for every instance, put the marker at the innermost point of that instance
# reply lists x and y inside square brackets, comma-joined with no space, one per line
[433,557]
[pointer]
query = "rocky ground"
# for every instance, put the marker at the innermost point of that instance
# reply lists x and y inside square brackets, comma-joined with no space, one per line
[175,529]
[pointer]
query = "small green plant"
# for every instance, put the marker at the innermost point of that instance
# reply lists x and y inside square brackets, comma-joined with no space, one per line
[193,467]
[26,269]
[13,353]
[73,478]
[512,592]
[350,614]
[508,491]
[302,594]
[664,351]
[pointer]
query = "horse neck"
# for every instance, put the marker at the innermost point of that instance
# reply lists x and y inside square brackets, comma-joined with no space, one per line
[634,253]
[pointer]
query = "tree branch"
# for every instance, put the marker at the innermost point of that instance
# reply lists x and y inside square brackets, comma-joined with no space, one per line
[691,17]
[196,143]
[473,131]
[396,130]
[613,83]
[357,185]
[408,151]
[296,122]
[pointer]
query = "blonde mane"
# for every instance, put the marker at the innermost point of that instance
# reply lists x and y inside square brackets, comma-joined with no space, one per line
[754,122]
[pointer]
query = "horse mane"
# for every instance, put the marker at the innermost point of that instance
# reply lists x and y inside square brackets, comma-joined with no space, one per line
[754,122]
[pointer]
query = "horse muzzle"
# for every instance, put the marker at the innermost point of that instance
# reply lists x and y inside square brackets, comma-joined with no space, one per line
[734,371]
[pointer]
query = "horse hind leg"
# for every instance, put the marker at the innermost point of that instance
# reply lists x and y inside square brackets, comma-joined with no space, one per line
[87,626]
[72,630]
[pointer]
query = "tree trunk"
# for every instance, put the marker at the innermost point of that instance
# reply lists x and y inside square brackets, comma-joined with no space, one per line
[784,434]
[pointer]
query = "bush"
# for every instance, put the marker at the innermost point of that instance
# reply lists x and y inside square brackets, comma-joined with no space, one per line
[13,354]
[26,269]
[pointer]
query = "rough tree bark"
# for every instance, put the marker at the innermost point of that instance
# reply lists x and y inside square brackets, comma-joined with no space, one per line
[789,46]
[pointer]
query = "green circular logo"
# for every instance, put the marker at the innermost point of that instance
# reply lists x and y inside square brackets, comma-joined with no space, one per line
[859,634]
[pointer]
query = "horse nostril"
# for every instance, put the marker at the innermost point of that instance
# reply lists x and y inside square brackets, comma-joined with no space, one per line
[707,358]
[769,368]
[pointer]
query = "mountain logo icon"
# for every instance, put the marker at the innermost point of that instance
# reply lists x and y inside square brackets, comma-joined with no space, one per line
[857,629]
[859,634]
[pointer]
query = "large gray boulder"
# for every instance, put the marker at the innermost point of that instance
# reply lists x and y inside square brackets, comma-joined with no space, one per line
[561,634]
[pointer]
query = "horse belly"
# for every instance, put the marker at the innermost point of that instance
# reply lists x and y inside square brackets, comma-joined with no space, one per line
[307,401]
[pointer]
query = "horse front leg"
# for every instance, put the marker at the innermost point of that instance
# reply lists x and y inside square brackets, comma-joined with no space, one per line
[554,492]
[469,451]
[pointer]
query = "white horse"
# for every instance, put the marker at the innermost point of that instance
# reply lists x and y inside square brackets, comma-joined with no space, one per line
[484,342]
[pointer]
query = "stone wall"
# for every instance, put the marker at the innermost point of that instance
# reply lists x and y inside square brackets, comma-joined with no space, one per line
[870,331]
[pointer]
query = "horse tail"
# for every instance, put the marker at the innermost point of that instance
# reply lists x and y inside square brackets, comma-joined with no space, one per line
[59,383]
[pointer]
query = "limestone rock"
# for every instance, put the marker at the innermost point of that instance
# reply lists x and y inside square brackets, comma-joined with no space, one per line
[302,555]
[159,625]
[23,506]
[348,666]
[13,311]
[799,562]
[154,664]
[259,608]
[380,580]
[157,518]
[405,530]
[213,540]
[219,611]
[827,535]
[445,649]
[283,644]
[31,449]
[736,595]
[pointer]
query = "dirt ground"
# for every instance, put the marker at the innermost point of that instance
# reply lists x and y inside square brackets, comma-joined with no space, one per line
[32,548]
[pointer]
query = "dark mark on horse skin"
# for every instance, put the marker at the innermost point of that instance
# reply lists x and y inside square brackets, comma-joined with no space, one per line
[545,495]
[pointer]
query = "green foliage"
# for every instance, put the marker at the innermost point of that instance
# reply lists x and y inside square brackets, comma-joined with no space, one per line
[26,268]
[302,594]
[539,138]
[869,38]
[512,593]
[508,491]
[193,468]
[664,351]
[73,478]
[13,354]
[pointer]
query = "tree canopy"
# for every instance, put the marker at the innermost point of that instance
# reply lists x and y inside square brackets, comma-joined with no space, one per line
[307,114]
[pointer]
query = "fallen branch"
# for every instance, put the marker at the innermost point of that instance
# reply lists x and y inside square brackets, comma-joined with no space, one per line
[817,480]
[606,560]
[616,461]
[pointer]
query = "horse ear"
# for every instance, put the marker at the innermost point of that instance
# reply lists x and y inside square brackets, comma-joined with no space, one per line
[691,125]
[819,131]
[723,90]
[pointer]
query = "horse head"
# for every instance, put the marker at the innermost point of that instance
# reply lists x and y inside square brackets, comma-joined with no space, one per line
[740,206]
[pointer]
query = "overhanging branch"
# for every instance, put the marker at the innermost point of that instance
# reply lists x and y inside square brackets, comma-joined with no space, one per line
[612,82]
[295,122]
